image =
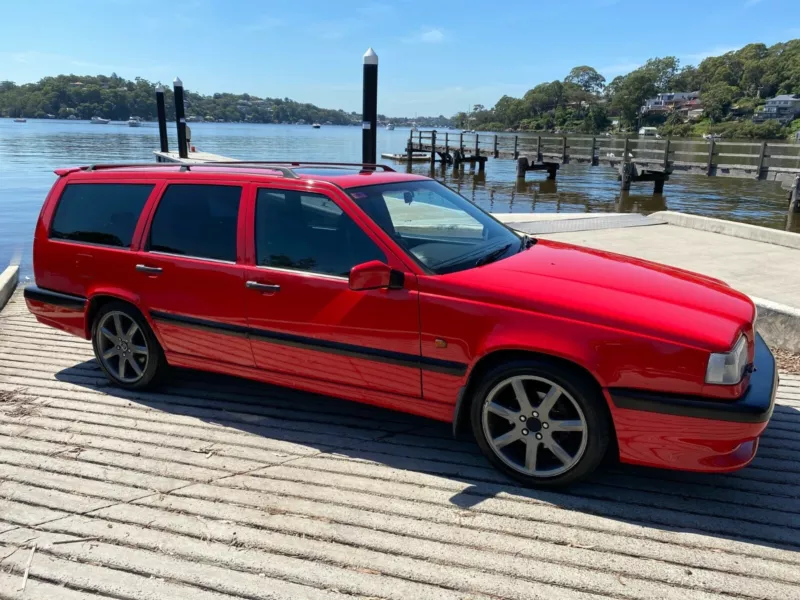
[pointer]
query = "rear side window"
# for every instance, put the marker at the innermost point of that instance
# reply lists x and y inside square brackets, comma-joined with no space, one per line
[99,213]
[198,221]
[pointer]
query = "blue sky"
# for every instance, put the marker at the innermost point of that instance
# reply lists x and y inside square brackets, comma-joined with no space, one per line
[436,57]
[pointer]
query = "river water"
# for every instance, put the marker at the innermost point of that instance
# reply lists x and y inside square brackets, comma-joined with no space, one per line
[30,151]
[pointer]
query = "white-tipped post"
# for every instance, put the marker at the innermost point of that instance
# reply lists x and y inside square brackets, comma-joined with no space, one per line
[177,82]
[370,58]
[180,118]
[369,118]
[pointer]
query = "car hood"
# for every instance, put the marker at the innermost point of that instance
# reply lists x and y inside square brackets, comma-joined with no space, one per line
[617,291]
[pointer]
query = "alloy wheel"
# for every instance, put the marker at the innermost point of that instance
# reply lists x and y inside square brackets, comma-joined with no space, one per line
[534,426]
[122,347]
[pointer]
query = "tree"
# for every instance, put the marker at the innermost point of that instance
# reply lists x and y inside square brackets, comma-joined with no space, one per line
[717,100]
[587,78]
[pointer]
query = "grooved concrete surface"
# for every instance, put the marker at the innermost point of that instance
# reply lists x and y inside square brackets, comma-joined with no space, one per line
[219,488]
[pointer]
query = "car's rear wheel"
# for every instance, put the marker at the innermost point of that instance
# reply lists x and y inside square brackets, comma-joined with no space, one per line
[540,422]
[125,346]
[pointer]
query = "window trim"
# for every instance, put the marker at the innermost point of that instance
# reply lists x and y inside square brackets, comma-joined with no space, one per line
[144,242]
[366,228]
[192,256]
[303,273]
[143,214]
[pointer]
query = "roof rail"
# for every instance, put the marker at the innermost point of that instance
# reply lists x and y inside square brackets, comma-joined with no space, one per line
[285,171]
[306,163]
[284,167]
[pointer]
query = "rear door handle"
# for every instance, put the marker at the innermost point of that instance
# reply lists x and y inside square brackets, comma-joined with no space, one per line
[151,270]
[263,287]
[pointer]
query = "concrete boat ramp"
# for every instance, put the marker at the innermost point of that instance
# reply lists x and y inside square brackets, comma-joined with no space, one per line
[218,488]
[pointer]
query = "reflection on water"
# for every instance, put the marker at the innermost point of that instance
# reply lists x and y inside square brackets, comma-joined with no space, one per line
[30,151]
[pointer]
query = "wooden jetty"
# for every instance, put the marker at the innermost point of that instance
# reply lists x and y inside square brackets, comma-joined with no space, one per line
[636,159]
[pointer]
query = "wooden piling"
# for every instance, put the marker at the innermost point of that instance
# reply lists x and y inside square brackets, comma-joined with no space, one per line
[522,167]
[761,156]
[461,142]
[496,152]
[594,150]
[410,147]
[433,149]
[477,147]
[516,145]
[666,158]
[625,169]
[538,148]
[446,144]
[794,203]
[564,150]
[710,169]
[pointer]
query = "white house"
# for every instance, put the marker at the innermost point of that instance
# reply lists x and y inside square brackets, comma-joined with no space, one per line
[783,108]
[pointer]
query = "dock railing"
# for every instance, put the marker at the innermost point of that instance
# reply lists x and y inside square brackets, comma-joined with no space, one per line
[770,160]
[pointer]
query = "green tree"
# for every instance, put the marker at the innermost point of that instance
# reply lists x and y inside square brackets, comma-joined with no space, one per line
[717,100]
[587,78]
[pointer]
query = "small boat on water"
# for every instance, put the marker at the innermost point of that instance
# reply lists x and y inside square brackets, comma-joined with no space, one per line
[316,125]
[390,126]
[134,122]
[712,136]
[20,120]
[99,121]
[415,156]
[649,132]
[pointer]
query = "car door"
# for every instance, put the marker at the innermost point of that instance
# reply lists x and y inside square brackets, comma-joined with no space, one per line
[188,276]
[304,319]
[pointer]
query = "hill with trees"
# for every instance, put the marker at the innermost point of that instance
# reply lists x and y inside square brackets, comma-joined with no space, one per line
[732,87]
[112,97]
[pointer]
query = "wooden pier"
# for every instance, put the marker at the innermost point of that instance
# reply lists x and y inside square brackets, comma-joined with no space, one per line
[635,159]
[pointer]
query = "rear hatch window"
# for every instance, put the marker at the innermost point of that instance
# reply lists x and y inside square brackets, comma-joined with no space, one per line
[99,213]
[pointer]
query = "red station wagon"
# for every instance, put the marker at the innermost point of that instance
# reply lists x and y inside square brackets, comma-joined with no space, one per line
[393,290]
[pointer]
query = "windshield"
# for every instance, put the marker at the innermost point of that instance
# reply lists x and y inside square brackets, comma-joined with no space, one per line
[440,229]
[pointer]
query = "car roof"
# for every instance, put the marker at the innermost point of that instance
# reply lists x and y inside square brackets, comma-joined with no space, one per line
[342,175]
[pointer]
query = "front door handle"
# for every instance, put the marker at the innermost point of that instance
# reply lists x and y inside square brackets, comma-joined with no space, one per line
[150,270]
[263,287]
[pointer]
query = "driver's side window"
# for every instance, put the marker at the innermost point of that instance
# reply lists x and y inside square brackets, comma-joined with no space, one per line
[309,232]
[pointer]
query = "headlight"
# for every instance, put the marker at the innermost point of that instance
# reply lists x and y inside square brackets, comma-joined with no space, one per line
[728,368]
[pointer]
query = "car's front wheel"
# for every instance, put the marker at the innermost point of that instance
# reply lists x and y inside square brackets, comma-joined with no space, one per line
[540,422]
[125,346]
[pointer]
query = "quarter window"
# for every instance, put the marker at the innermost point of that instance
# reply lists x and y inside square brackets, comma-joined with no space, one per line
[99,213]
[197,220]
[309,232]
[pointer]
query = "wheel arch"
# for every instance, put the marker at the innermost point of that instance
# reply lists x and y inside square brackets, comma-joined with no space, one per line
[100,298]
[500,356]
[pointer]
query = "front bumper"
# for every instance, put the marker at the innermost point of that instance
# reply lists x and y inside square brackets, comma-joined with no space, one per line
[692,433]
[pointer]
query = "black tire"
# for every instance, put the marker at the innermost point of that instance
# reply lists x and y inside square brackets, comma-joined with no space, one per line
[578,387]
[155,365]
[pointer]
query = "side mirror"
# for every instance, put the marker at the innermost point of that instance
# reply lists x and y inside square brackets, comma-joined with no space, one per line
[375,275]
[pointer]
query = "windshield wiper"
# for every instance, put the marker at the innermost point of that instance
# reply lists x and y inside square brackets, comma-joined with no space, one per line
[493,256]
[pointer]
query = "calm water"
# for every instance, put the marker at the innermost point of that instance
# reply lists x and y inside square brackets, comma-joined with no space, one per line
[30,151]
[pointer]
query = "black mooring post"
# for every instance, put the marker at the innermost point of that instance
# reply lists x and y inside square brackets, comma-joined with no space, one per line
[162,119]
[369,117]
[180,118]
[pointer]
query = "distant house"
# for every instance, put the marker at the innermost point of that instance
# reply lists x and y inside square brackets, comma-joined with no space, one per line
[667,102]
[783,108]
